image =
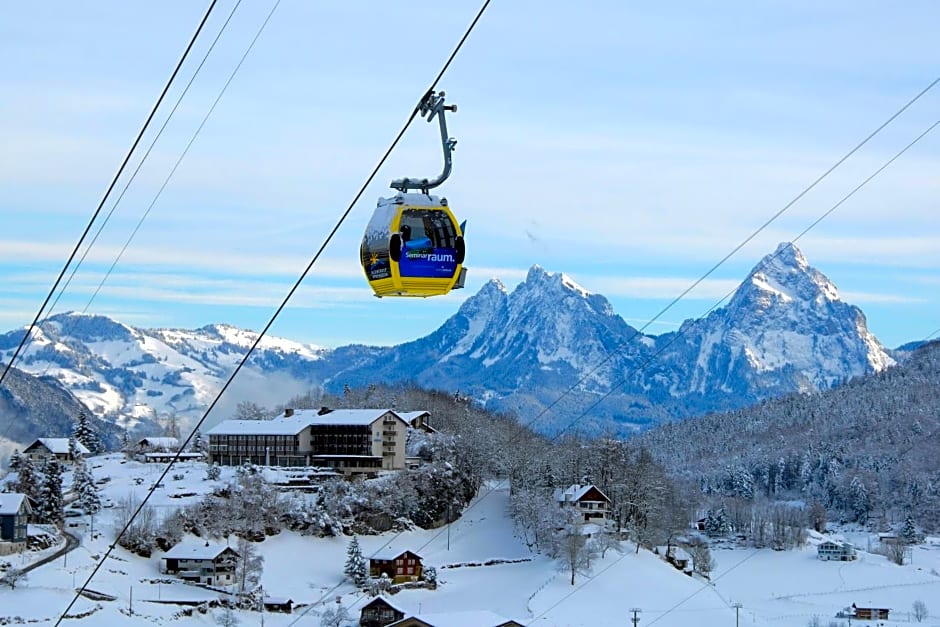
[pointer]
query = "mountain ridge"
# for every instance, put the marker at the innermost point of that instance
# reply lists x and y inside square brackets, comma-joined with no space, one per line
[548,349]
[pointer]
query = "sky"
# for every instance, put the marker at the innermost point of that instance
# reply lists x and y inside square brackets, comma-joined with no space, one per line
[630,146]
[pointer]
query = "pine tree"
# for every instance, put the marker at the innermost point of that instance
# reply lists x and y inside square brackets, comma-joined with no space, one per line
[85,433]
[50,494]
[74,453]
[198,443]
[83,485]
[909,532]
[355,568]
[15,460]
[27,482]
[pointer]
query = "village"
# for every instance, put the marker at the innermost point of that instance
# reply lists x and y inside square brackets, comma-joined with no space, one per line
[294,463]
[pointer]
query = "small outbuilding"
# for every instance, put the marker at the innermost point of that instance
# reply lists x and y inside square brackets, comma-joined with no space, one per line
[870,611]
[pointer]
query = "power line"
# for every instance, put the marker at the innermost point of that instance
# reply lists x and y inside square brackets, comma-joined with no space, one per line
[737,248]
[28,337]
[192,434]
[652,358]
[286,299]
[107,193]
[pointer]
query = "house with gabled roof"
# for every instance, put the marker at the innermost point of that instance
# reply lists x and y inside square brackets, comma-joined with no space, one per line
[44,448]
[468,618]
[588,500]
[351,441]
[201,562]
[420,420]
[14,519]
[836,550]
[379,612]
[398,565]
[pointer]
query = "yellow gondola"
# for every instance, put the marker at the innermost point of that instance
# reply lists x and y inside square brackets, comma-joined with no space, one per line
[413,245]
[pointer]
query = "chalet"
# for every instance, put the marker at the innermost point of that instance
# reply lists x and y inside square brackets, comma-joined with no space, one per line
[836,550]
[157,445]
[479,618]
[400,566]
[586,499]
[378,613]
[44,448]
[281,605]
[420,420]
[210,564]
[869,611]
[14,516]
[350,441]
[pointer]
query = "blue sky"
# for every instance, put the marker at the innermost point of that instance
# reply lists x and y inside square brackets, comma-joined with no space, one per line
[628,145]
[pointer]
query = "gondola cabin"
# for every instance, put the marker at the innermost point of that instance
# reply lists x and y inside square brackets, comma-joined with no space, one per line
[413,246]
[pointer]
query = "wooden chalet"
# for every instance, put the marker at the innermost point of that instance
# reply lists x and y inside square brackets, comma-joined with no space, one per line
[400,566]
[480,618]
[835,550]
[868,611]
[593,504]
[378,613]
[280,605]
[44,448]
[14,518]
[205,563]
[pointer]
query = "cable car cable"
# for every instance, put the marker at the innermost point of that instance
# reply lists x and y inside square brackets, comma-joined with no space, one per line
[29,337]
[107,193]
[280,308]
[138,168]
[647,362]
[737,248]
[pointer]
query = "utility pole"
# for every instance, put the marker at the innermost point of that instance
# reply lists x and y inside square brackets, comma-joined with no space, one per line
[636,619]
[737,609]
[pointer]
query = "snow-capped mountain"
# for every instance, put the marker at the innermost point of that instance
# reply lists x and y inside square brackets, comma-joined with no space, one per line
[549,350]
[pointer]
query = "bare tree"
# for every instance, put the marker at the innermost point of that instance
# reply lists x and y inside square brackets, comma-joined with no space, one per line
[250,565]
[227,618]
[919,611]
[702,559]
[16,575]
[575,551]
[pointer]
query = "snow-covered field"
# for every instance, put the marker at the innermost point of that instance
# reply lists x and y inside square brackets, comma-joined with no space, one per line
[784,589]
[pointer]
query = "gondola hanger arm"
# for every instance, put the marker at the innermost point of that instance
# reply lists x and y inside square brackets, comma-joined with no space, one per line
[432,106]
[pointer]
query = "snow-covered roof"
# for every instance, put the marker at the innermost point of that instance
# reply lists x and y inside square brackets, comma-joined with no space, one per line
[196,551]
[408,416]
[390,554]
[345,416]
[471,618]
[278,426]
[299,420]
[575,492]
[60,446]
[11,502]
[163,442]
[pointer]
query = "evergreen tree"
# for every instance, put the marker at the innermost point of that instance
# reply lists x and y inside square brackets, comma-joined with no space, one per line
[355,568]
[74,453]
[86,434]
[716,522]
[909,532]
[83,485]
[859,501]
[198,443]
[27,482]
[15,460]
[50,494]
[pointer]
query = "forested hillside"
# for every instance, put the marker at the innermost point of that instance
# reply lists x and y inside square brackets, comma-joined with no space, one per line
[867,451]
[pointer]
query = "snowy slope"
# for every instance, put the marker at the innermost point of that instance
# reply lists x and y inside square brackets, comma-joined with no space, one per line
[784,589]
